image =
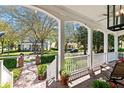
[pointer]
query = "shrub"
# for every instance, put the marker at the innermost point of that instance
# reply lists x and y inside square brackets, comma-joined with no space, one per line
[56,49]
[64,73]
[7,85]
[121,50]
[47,58]
[101,84]
[10,63]
[42,69]
[16,73]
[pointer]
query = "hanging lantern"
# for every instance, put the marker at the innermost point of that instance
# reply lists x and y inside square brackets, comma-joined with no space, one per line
[115,17]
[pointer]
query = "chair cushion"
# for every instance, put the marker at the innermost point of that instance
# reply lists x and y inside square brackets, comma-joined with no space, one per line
[121,59]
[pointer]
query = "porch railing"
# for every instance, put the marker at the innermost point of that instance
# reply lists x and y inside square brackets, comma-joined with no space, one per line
[5,75]
[98,59]
[121,55]
[52,71]
[112,56]
[75,63]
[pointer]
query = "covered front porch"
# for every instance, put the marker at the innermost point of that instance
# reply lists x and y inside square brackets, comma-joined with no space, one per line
[79,65]
[85,48]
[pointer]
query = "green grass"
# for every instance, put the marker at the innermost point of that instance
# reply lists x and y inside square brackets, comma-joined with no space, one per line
[15,54]
[50,52]
[27,60]
[16,73]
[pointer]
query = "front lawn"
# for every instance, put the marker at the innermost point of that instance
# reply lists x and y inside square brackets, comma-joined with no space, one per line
[15,54]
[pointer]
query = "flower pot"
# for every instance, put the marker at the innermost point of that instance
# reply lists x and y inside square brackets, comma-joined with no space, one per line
[113,85]
[41,77]
[37,60]
[64,80]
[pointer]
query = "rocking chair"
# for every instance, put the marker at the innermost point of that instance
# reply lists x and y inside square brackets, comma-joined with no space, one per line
[116,76]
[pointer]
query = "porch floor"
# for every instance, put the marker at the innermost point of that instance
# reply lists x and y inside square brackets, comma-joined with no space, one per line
[85,84]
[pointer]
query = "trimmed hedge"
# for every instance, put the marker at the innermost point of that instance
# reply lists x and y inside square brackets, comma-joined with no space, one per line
[121,50]
[56,49]
[10,63]
[47,59]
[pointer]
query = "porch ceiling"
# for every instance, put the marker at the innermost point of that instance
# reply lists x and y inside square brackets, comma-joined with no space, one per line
[93,16]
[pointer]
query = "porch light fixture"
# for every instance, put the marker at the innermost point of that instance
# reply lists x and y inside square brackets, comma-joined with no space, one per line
[115,17]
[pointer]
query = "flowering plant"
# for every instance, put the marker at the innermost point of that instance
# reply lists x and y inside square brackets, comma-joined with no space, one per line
[101,83]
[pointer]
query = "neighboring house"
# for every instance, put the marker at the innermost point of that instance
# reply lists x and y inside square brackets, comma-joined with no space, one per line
[28,45]
[121,44]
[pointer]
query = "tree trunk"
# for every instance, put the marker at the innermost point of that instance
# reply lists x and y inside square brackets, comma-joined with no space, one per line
[8,47]
[42,47]
[85,50]
[98,49]
[2,44]
[66,47]
[56,44]
[35,47]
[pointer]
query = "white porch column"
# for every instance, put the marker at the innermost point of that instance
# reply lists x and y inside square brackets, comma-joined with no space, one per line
[115,43]
[60,45]
[90,44]
[0,72]
[116,46]
[106,47]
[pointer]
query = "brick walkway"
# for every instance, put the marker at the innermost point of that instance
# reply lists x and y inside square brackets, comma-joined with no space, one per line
[28,78]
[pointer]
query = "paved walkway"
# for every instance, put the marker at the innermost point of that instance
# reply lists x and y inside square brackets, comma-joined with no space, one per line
[28,78]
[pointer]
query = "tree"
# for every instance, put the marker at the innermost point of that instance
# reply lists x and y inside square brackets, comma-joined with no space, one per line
[29,20]
[110,42]
[68,33]
[39,23]
[81,37]
[121,39]
[5,27]
[98,38]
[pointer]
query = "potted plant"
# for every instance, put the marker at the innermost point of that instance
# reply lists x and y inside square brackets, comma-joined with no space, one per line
[99,83]
[42,70]
[64,77]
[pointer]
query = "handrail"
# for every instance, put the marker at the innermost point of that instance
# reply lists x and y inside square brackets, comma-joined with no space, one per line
[111,52]
[77,56]
[52,71]
[99,54]
[7,70]
[8,73]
